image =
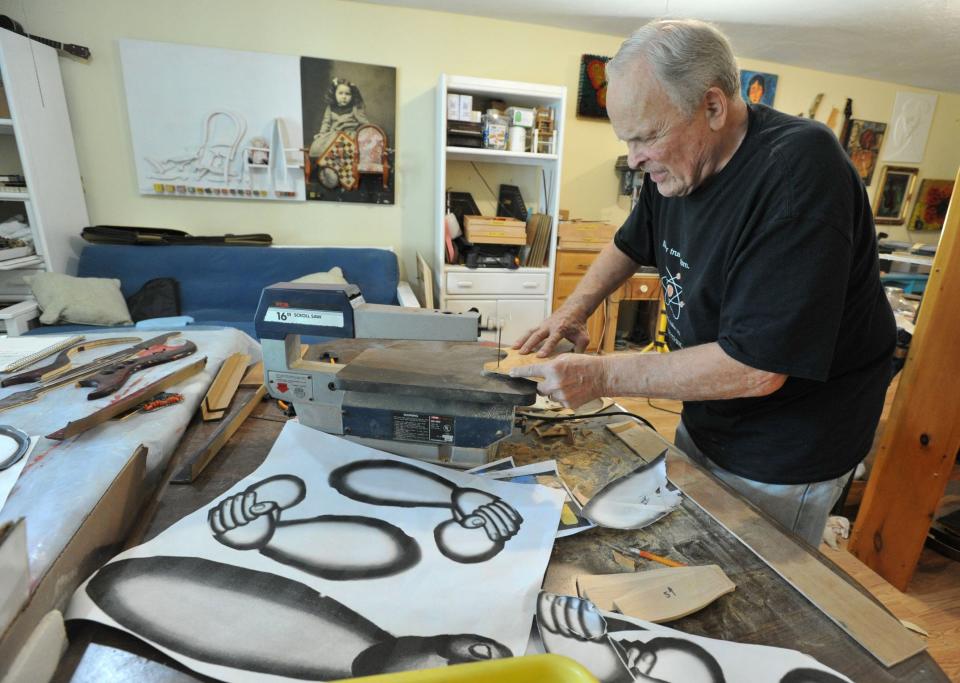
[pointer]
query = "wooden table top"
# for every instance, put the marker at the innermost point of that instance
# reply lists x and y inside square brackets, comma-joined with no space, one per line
[763,609]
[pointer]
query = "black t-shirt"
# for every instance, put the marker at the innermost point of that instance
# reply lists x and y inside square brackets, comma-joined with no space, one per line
[775,259]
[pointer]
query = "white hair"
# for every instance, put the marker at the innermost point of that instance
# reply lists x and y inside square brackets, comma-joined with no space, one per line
[687,56]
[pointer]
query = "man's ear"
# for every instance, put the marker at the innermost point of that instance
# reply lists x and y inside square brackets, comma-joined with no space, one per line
[716,108]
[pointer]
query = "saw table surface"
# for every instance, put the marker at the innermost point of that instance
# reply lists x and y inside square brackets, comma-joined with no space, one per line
[442,371]
[763,609]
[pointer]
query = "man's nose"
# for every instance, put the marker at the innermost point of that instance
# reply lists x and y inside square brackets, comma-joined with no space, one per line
[636,156]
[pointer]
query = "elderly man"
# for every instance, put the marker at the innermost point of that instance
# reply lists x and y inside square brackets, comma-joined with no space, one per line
[780,334]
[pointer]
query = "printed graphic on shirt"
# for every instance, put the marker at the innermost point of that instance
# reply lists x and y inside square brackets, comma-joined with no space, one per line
[671,280]
[672,292]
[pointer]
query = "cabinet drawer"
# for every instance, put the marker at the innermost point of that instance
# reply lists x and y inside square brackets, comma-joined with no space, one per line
[574,262]
[496,283]
[564,285]
[641,287]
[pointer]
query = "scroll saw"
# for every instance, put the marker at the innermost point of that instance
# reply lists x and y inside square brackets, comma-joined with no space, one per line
[405,380]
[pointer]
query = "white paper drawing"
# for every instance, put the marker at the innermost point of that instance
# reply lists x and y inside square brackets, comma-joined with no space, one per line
[635,500]
[619,649]
[909,127]
[545,473]
[284,577]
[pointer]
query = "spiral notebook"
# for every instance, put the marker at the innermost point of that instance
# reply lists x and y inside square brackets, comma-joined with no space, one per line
[20,352]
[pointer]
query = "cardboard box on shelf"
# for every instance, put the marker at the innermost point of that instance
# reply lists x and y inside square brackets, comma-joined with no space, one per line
[589,235]
[494,230]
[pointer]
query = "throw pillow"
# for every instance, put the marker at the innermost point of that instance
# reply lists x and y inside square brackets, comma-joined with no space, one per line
[334,276]
[79,300]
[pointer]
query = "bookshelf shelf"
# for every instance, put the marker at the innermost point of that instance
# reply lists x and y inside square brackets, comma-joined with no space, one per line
[514,299]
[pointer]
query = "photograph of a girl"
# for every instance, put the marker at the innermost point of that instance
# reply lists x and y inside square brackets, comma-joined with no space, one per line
[349,113]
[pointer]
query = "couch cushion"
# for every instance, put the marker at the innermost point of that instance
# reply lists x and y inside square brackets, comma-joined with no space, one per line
[224,283]
[83,301]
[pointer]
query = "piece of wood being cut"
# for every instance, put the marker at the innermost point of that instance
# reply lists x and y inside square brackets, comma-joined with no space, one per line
[674,594]
[513,359]
[657,595]
[215,403]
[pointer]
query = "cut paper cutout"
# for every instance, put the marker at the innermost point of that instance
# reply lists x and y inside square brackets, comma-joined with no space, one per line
[618,649]
[283,575]
[635,500]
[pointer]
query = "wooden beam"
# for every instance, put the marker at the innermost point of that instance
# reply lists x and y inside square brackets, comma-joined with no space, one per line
[922,436]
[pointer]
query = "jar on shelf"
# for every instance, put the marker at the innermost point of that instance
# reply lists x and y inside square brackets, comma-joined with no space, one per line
[495,125]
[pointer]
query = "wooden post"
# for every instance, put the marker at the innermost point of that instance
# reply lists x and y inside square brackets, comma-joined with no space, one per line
[919,445]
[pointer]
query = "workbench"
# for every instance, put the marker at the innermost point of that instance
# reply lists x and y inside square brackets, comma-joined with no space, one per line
[763,609]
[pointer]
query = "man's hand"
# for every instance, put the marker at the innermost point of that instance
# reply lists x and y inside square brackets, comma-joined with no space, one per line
[240,522]
[563,324]
[571,379]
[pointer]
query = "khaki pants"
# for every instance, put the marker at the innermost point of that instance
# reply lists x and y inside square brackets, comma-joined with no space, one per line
[801,508]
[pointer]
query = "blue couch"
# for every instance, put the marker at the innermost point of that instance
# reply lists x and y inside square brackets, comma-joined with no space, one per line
[221,285]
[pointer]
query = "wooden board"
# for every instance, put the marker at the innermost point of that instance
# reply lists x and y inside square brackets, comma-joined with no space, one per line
[630,434]
[922,436]
[224,386]
[863,619]
[123,405]
[254,376]
[206,445]
[673,594]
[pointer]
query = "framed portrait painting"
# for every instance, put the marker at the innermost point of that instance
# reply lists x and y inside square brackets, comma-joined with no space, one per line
[863,146]
[757,87]
[930,210]
[592,93]
[349,122]
[894,194]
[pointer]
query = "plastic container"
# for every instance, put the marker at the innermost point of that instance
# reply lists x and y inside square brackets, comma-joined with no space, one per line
[495,127]
[533,669]
[518,139]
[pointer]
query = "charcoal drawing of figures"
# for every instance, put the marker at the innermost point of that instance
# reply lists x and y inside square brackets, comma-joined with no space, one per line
[480,526]
[334,547]
[259,622]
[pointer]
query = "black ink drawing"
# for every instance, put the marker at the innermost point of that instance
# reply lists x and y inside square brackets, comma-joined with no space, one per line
[481,523]
[811,676]
[635,500]
[575,628]
[618,649]
[335,547]
[263,623]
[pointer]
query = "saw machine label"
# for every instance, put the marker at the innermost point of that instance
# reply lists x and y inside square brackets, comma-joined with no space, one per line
[303,316]
[419,427]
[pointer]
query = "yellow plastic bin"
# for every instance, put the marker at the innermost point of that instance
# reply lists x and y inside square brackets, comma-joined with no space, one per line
[533,669]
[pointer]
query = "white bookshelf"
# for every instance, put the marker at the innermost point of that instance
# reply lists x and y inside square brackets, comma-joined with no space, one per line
[517,299]
[40,126]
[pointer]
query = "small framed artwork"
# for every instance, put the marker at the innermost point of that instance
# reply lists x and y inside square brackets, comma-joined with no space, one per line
[863,146]
[757,87]
[894,194]
[592,94]
[930,210]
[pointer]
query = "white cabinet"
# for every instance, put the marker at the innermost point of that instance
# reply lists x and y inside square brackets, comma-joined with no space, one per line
[37,143]
[517,299]
[513,315]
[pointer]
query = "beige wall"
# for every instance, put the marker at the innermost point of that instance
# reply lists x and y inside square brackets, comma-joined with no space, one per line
[421,45]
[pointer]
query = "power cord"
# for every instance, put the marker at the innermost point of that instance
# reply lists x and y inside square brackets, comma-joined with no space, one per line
[564,418]
[666,410]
